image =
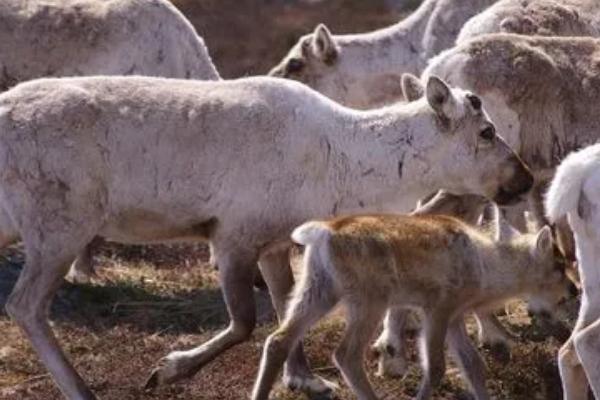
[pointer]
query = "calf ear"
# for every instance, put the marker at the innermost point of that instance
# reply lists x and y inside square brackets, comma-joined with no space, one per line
[323,45]
[412,88]
[543,241]
[438,95]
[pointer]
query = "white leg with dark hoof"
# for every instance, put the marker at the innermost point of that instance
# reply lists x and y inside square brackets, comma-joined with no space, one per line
[236,275]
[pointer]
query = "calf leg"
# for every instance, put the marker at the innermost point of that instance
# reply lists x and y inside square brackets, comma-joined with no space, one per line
[494,335]
[306,309]
[275,268]
[391,344]
[236,275]
[435,325]
[45,268]
[363,319]
[467,357]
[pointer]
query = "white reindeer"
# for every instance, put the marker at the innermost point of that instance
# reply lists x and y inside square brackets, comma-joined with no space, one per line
[363,70]
[238,163]
[536,18]
[575,192]
[85,37]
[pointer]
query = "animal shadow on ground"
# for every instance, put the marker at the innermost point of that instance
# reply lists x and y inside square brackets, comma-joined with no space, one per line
[151,289]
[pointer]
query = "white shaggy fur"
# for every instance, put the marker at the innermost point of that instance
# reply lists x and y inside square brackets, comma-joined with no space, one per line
[536,17]
[542,90]
[575,192]
[309,233]
[238,163]
[363,70]
[87,37]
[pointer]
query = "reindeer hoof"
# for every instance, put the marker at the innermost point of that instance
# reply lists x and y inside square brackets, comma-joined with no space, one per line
[170,369]
[315,387]
[499,351]
[390,363]
[79,277]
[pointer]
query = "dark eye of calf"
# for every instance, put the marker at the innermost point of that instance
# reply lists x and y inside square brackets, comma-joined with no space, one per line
[475,101]
[294,65]
[488,133]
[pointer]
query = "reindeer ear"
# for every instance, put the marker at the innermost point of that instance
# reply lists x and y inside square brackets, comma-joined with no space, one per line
[412,88]
[323,44]
[544,241]
[439,96]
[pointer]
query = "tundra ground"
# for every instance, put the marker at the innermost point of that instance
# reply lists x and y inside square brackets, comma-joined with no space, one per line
[148,301]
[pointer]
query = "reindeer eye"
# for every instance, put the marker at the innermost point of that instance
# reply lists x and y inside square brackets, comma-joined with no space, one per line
[488,133]
[475,101]
[294,65]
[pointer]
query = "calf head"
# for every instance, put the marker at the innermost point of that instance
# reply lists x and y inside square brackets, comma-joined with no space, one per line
[549,265]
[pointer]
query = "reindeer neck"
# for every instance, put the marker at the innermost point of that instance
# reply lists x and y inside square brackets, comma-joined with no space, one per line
[380,161]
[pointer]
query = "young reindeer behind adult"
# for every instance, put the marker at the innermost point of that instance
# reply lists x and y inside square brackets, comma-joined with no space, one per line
[236,163]
[437,264]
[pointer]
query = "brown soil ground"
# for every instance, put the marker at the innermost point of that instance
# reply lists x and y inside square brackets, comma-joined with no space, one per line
[148,301]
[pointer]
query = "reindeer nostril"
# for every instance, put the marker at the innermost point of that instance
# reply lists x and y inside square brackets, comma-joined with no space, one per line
[390,350]
[376,352]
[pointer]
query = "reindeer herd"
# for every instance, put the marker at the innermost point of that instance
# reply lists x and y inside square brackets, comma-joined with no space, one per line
[507,90]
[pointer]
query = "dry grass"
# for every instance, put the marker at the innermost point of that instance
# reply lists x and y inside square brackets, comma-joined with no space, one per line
[139,309]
